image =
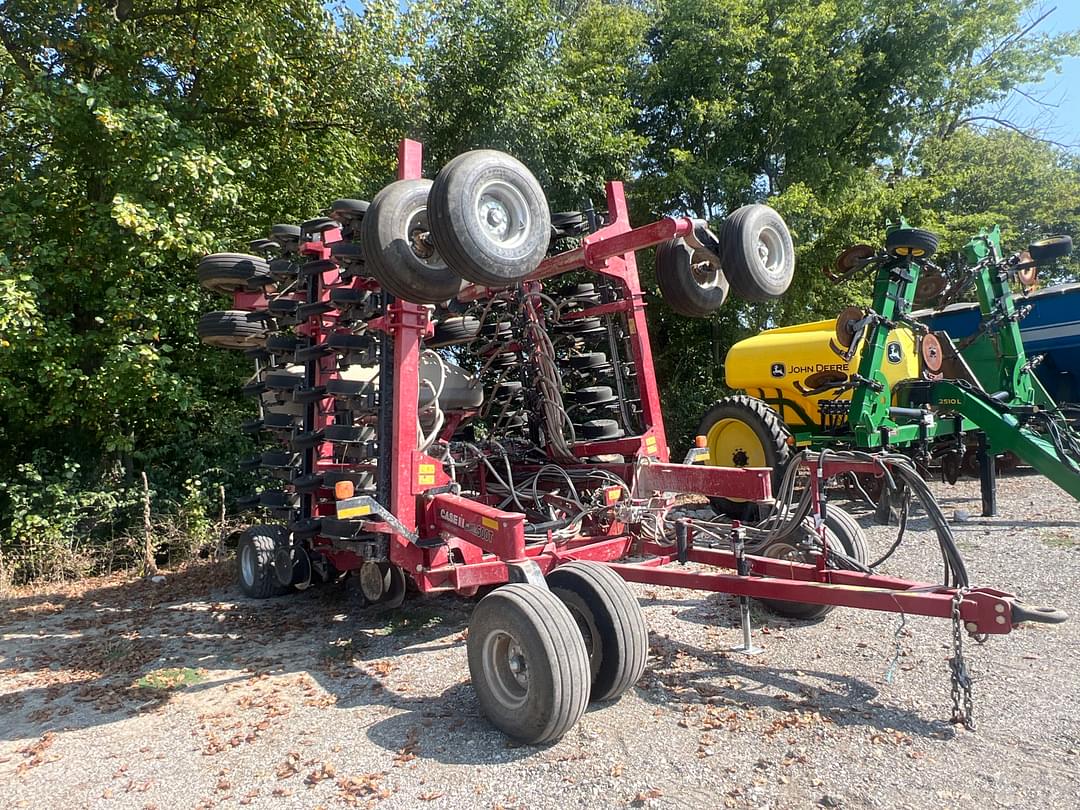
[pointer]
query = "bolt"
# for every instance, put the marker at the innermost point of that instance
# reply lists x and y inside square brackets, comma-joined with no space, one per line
[1000,608]
[1000,619]
[419,568]
[971,627]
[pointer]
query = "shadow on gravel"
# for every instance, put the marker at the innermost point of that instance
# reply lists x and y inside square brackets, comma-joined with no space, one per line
[72,657]
[738,683]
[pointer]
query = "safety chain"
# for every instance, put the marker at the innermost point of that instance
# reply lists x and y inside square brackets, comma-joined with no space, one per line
[961,678]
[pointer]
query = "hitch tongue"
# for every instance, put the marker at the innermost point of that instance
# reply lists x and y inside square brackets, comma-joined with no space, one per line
[1037,613]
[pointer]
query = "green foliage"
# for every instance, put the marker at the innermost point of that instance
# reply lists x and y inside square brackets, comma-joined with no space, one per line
[136,136]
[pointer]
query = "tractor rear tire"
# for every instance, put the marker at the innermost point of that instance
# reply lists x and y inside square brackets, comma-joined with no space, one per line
[611,622]
[255,561]
[692,289]
[759,255]
[742,431]
[490,218]
[394,254]
[528,663]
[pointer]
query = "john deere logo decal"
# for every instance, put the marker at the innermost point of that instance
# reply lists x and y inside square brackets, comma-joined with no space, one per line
[894,353]
[777,370]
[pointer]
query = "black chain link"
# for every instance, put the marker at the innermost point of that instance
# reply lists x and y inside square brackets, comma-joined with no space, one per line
[962,707]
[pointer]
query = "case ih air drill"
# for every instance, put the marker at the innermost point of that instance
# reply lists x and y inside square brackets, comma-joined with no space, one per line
[449,405]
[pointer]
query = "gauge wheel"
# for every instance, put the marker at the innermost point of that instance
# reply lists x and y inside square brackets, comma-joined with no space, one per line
[912,243]
[1050,248]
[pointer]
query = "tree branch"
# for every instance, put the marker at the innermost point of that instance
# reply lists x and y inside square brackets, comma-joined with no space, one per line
[1002,122]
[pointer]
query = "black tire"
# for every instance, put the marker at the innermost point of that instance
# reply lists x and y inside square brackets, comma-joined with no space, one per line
[1050,248]
[759,256]
[528,627]
[848,531]
[255,561]
[785,549]
[692,289]
[772,435]
[230,272]
[231,329]
[912,243]
[598,429]
[611,623]
[489,217]
[454,329]
[392,252]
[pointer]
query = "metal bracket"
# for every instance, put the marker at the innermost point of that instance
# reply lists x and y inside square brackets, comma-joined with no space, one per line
[526,572]
[364,505]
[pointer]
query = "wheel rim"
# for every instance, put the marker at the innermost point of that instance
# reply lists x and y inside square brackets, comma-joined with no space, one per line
[420,241]
[503,214]
[772,251]
[705,275]
[505,668]
[247,564]
[783,550]
[733,443]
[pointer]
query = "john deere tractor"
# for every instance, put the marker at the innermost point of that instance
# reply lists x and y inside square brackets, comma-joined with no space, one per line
[877,379]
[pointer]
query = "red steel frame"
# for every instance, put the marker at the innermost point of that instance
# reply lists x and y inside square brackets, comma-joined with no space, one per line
[480,545]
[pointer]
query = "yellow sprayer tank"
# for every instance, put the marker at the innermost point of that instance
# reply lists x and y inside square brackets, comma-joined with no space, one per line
[782,365]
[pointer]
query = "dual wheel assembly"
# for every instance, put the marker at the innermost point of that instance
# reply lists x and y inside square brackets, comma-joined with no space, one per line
[539,655]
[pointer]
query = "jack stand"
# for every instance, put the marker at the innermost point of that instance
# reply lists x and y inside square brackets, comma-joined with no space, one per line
[987,477]
[738,543]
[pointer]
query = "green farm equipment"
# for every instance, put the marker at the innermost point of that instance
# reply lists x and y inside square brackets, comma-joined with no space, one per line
[878,379]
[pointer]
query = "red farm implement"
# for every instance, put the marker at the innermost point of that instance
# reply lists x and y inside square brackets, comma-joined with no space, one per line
[444,416]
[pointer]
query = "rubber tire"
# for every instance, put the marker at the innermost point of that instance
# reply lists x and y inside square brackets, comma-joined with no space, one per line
[231,329]
[770,431]
[1050,248]
[388,254]
[682,292]
[805,611]
[554,651]
[227,273]
[903,242]
[848,531]
[748,276]
[612,625]
[260,542]
[458,232]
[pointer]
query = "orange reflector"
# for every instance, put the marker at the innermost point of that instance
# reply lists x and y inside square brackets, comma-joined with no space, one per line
[343,490]
[701,441]
[790,441]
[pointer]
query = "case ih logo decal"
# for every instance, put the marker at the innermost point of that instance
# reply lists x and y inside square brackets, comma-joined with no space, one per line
[894,353]
[777,370]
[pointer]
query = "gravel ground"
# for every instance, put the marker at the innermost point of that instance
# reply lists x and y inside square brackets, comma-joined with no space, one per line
[120,693]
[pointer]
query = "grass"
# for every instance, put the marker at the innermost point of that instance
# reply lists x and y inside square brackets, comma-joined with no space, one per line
[1059,539]
[171,678]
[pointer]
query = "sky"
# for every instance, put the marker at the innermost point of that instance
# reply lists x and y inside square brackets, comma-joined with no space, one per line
[1060,121]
